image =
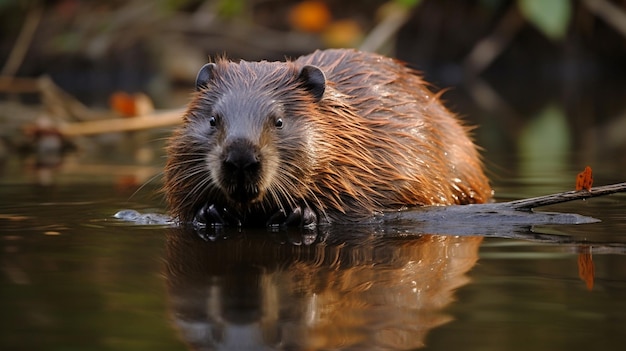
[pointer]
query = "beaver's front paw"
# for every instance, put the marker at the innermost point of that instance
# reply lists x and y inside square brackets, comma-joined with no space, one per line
[302,216]
[209,215]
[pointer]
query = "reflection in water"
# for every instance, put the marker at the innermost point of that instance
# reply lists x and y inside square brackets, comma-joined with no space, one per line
[257,290]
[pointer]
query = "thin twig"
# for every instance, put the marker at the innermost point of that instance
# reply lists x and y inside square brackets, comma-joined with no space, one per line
[386,29]
[109,125]
[613,15]
[22,43]
[528,204]
[14,85]
[62,105]
[489,48]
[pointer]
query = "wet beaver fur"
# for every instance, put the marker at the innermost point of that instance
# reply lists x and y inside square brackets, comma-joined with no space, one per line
[335,136]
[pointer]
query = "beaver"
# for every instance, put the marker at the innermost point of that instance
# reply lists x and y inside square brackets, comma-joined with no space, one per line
[336,136]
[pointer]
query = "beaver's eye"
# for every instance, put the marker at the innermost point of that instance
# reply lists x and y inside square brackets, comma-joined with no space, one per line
[213,121]
[278,123]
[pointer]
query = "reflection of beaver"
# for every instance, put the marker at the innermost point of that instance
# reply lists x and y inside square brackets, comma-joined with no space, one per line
[359,291]
[334,136]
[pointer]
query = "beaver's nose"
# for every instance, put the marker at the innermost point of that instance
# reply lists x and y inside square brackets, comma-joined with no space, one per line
[241,167]
[241,158]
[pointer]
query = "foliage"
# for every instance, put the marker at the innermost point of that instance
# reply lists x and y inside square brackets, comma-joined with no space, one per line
[408,3]
[545,142]
[550,17]
[231,8]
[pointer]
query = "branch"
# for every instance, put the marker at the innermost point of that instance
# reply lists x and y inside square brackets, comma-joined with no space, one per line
[14,85]
[489,48]
[528,204]
[610,13]
[501,219]
[23,41]
[397,16]
[109,125]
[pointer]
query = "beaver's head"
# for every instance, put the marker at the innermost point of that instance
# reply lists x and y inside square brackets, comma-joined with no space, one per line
[247,141]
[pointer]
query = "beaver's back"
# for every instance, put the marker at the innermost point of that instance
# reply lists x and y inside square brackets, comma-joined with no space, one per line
[391,142]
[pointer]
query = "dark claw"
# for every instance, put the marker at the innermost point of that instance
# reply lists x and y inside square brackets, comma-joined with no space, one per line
[301,216]
[294,218]
[276,219]
[209,215]
[309,217]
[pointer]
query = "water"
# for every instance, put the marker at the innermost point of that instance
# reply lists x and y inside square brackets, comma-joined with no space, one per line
[74,278]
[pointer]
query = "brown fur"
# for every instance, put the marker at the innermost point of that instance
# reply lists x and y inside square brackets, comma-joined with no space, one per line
[378,140]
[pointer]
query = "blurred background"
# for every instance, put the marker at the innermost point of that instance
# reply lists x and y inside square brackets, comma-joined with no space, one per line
[544,81]
[90,91]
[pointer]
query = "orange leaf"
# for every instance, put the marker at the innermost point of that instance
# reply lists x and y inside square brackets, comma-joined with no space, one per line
[584,180]
[310,16]
[122,103]
[131,105]
[343,33]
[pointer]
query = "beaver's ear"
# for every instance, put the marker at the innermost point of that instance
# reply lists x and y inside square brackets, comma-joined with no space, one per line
[314,80]
[204,75]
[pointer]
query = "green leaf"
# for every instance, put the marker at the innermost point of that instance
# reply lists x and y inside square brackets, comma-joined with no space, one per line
[552,17]
[545,144]
[231,8]
[408,3]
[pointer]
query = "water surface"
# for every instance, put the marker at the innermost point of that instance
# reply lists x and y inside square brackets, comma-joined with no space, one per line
[74,278]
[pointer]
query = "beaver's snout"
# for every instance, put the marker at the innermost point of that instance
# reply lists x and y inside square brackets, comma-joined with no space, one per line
[241,158]
[241,167]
